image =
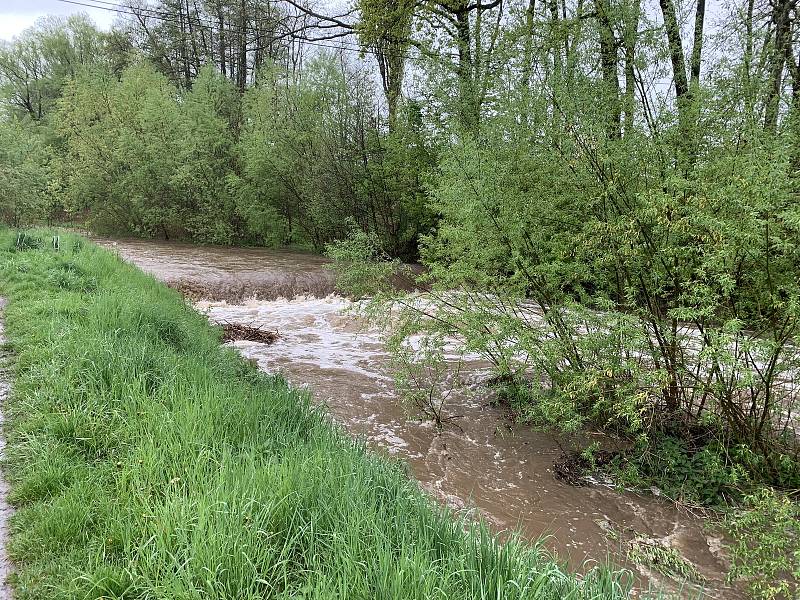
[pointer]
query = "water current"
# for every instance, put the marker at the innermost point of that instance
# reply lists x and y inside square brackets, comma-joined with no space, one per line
[484,462]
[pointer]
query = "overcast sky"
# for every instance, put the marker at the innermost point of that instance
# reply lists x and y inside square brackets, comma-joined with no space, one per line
[17,15]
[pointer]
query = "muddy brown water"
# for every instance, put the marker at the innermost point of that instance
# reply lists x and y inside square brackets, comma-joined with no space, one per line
[486,464]
[224,273]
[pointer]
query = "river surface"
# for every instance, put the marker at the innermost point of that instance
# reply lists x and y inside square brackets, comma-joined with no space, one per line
[483,462]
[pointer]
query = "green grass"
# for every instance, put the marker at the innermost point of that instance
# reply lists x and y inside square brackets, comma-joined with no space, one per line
[146,461]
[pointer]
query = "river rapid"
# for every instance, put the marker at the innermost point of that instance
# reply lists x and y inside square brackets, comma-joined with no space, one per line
[484,462]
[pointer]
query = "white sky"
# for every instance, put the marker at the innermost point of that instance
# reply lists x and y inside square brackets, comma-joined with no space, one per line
[18,15]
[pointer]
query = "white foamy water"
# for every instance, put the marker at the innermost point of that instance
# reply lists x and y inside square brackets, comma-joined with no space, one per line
[314,331]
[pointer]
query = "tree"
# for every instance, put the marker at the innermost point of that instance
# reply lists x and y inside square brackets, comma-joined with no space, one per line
[122,149]
[207,151]
[686,87]
[26,195]
[35,66]
[238,37]
[303,151]
[609,61]
[385,28]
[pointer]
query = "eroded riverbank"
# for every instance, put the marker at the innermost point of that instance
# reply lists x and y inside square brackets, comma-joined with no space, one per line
[486,462]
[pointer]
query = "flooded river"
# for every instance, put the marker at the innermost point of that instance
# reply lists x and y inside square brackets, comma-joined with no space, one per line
[485,463]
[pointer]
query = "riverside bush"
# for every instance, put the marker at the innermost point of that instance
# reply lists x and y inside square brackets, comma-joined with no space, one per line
[766,550]
[655,304]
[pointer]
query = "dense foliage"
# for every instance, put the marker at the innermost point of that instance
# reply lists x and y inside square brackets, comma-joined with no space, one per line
[26,186]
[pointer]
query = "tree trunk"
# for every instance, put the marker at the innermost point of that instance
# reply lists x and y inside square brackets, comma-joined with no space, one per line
[697,45]
[182,48]
[242,66]
[221,40]
[675,49]
[794,109]
[558,71]
[394,83]
[192,40]
[468,109]
[631,35]
[609,64]
[685,96]
[527,60]
[780,20]
[747,60]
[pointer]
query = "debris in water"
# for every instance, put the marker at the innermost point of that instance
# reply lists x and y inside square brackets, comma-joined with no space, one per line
[656,553]
[575,469]
[234,332]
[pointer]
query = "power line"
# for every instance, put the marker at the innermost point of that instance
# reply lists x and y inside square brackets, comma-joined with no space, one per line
[163,16]
[159,15]
[230,28]
[168,18]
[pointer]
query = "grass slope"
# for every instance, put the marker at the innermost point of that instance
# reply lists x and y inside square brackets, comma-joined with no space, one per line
[149,462]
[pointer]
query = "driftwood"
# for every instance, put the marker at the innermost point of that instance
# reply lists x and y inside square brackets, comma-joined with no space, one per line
[232,332]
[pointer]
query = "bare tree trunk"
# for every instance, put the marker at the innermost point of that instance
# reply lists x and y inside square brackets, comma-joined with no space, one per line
[781,10]
[609,64]
[183,52]
[675,49]
[192,40]
[221,39]
[241,73]
[571,45]
[697,45]
[685,96]
[747,60]
[631,35]
[794,109]
[468,109]
[558,71]
[527,60]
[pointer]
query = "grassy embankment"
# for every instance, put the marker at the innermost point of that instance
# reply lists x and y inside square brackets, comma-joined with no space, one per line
[149,462]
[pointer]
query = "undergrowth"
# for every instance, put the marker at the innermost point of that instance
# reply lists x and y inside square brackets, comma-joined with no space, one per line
[699,464]
[752,499]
